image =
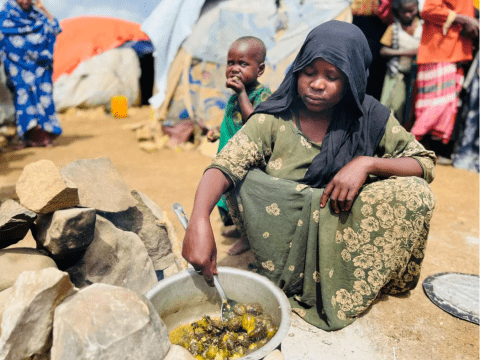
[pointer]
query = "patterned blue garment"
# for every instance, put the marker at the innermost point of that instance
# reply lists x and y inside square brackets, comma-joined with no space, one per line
[27,39]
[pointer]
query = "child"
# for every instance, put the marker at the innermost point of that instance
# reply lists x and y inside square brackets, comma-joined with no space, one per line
[245,63]
[401,42]
[327,185]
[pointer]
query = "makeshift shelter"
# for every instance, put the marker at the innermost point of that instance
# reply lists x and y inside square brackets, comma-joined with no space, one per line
[196,79]
[97,58]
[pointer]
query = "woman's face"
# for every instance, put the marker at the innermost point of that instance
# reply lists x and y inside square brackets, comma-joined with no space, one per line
[321,85]
[25,4]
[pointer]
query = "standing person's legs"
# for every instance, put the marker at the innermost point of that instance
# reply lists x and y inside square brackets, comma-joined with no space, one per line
[436,106]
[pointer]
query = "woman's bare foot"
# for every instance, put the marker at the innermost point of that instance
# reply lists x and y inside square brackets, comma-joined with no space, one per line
[230,231]
[239,247]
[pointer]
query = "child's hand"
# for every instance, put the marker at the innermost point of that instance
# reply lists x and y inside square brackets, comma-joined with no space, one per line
[213,135]
[344,186]
[235,84]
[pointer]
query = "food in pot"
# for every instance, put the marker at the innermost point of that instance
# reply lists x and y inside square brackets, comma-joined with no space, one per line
[245,331]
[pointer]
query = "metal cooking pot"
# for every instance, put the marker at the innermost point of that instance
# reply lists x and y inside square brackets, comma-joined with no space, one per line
[185,297]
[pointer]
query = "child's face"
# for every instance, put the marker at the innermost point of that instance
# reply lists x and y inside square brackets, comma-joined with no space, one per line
[407,13]
[320,85]
[242,62]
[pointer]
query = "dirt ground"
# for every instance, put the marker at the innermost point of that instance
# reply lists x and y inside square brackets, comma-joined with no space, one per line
[411,325]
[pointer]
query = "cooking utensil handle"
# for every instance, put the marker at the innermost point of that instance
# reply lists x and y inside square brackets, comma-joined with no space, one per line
[178,209]
[220,288]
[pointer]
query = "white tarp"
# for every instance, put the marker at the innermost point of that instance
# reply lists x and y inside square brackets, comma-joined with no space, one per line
[302,18]
[168,26]
[95,81]
[222,22]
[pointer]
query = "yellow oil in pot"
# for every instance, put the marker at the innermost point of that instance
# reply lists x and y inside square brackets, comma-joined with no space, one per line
[119,106]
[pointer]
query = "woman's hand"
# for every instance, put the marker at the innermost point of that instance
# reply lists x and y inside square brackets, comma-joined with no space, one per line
[344,186]
[199,248]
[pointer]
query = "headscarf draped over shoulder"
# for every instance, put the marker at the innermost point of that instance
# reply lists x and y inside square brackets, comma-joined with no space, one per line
[359,121]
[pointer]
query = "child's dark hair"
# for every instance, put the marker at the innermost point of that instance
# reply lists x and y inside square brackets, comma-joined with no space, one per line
[257,43]
[397,4]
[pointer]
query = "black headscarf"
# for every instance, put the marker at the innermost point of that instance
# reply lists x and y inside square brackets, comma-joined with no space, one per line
[359,120]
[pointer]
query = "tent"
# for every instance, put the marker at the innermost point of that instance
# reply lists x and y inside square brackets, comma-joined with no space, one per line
[86,36]
[196,78]
[97,58]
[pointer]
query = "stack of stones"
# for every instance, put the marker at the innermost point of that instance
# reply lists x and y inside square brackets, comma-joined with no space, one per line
[99,247]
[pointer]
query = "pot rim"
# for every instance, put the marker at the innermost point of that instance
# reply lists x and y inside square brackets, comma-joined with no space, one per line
[285,308]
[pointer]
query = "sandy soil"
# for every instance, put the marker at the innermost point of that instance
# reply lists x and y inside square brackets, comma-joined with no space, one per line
[411,325]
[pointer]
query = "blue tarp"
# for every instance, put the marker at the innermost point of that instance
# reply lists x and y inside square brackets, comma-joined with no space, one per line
[142,48]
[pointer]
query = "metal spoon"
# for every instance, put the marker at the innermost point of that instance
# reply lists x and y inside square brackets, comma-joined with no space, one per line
[227,304]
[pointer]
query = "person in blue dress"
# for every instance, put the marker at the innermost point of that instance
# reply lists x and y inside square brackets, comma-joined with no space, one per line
[27,38]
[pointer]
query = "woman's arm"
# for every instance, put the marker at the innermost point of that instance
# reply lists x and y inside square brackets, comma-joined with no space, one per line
[470,25]
[437,12]
[399,154]
[346,184]
[228,168]
[199,247]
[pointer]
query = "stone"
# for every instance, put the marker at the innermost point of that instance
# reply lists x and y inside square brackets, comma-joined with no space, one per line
[170,271]
[65,232]
[8,131]
[178,353]
[114,257]
[42,189]
[15,222]
[274,355]
[15,261]
[5,295]
[105,322]
[99,184]
[27,317]
[144,219]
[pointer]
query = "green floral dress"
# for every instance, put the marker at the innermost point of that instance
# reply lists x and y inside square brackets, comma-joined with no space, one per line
[331,266]
[232,123]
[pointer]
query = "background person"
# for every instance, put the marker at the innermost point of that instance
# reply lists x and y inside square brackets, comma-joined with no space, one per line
[401,41]
[27,38]
[448,29]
